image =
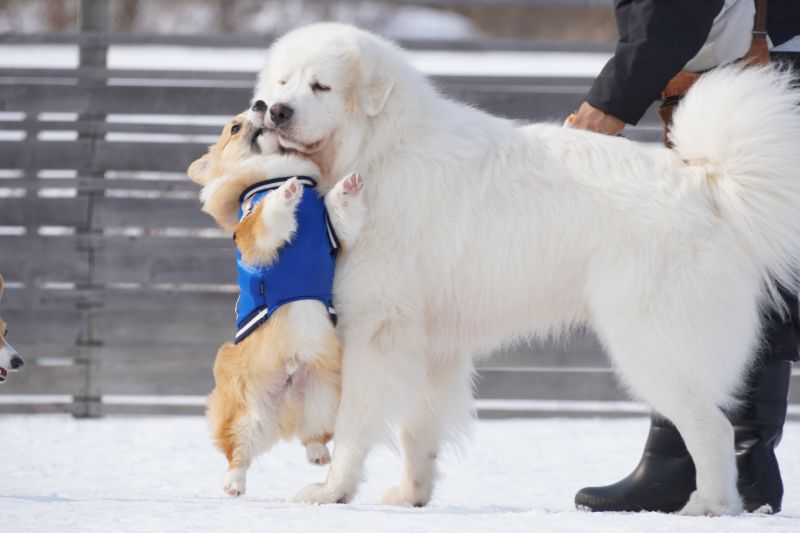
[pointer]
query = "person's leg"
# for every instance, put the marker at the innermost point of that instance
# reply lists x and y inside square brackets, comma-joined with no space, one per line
[665,475]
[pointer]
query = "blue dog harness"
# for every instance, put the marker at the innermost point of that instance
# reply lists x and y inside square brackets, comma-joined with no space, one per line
[303,269]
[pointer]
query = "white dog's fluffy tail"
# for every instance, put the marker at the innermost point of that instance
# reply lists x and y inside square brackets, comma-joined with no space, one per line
[743,126]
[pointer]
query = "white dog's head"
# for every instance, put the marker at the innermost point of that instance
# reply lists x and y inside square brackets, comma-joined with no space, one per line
[324,86]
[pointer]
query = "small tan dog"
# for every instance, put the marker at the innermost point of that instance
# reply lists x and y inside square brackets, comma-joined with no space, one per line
[9,358]
[282,375]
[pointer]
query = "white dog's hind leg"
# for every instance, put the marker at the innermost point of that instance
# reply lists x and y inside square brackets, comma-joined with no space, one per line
[709,438]
[684,355]
[684,400]
[446,412]
[345,203]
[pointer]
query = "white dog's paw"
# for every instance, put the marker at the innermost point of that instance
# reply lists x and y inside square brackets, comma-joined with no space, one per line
[346,190]
[345,205]
[321,493]
[352,184]
[401,496]
[234,482]
[317,453]
[698,506]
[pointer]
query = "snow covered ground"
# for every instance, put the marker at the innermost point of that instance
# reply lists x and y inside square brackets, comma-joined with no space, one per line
[162,475]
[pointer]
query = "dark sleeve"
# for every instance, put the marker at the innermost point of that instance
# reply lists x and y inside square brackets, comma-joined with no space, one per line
[657,38]
[783,20]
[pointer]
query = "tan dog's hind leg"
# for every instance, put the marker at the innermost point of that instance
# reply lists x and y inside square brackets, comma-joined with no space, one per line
[321,402]
[243,408]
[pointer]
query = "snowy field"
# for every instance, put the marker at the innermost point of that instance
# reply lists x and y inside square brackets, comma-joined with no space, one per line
[161,475]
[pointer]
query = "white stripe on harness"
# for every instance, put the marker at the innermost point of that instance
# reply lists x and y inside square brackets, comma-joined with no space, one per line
[250,325]
[268,186]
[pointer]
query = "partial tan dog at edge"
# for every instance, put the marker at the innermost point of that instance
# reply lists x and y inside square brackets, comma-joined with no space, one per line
[9,358]
[284,378]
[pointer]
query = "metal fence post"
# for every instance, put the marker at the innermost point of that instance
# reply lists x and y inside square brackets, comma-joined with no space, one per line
[94,19]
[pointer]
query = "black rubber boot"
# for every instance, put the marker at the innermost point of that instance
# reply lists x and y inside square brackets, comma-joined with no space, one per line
[665,476]
[662,481]
[758,427]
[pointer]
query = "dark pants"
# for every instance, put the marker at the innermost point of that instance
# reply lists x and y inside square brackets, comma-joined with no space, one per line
[782,334]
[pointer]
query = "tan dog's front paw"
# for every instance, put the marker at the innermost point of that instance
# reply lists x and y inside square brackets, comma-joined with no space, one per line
[317,454]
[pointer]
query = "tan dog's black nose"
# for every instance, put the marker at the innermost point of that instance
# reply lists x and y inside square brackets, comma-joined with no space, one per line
[259,106]
[16,362]
[280,113]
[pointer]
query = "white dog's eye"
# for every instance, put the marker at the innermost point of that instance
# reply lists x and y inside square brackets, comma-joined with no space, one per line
[317,86]
[282,82]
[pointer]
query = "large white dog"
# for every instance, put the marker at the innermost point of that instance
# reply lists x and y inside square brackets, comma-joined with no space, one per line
[480,232]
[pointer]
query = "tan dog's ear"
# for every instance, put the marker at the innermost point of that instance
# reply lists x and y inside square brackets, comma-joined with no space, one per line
[198,171]
[1,287]
[375,93]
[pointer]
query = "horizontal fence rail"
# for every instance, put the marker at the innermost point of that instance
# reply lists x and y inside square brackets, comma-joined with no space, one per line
[119,289]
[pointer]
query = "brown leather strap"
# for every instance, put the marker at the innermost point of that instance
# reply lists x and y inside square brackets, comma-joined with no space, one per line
[760,25]
[679,84]
[758,54]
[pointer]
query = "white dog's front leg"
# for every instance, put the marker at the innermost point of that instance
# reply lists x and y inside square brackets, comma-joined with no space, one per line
[374,385]
[345,204]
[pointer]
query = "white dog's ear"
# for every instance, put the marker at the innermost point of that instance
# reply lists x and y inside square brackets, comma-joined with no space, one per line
[375,93]
[199,169]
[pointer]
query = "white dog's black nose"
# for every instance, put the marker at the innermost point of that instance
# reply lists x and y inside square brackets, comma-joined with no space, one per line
[16,362]
[280,113]
[259,106]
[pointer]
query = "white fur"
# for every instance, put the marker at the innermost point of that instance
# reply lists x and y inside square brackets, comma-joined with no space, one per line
[479,233]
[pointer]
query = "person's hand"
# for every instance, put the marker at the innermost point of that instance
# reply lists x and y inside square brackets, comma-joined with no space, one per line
[590,118]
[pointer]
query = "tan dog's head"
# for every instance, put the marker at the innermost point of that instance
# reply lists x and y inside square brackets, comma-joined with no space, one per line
[241,138]
[245,153]
[326,86]
[9,358]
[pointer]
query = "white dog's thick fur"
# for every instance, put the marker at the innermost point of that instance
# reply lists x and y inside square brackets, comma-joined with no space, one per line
[480,233]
